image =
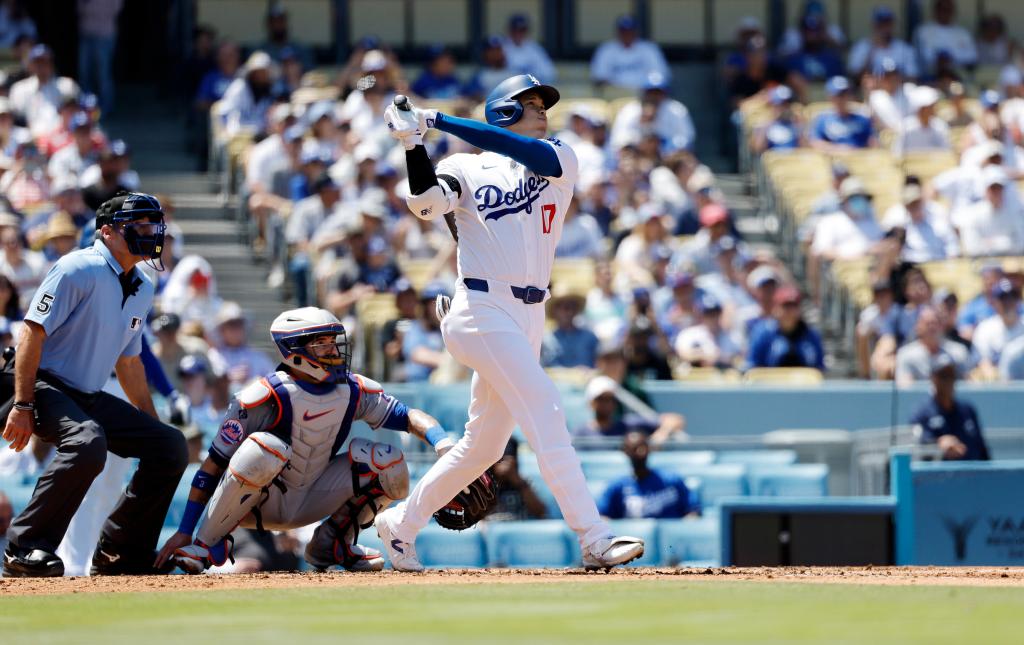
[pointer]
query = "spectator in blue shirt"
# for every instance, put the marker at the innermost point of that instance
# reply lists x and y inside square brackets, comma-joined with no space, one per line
[647,493]
[215,82]
[980,307]
[785,131]
[438,80]
[840,128]
[816,60]
[944,420]
[493,70]
[787,341]
[569,345]
[422,344]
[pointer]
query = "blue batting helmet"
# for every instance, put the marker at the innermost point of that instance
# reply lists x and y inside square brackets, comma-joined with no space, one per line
[503,107]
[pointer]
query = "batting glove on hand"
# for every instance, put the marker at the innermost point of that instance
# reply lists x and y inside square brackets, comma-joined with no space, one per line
[442,305]
[408,123]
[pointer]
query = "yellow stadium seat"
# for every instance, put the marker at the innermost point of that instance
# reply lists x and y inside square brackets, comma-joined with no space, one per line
[706,375]
[376,310]
[418,272]
[794,376]
[308,95]
[558,116]
[577,376]
[573,275]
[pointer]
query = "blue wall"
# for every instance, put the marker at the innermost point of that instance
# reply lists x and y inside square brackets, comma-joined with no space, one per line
[756,409]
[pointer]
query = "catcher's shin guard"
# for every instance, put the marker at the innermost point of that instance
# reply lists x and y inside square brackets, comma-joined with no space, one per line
[252,468]
[379,476]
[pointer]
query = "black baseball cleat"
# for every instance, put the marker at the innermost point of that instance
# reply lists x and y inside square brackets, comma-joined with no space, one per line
[31,563]
[112,560]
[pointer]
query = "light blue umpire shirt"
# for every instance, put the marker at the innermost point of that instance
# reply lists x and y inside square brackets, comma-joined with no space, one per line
[88,322]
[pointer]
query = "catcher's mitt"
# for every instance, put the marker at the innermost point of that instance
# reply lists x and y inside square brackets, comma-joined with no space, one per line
[471,505]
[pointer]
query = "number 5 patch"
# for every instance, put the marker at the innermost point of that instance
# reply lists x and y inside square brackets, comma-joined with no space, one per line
[45,301]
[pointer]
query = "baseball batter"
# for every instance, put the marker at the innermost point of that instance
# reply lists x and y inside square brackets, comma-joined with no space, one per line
[275,462]
[508,205]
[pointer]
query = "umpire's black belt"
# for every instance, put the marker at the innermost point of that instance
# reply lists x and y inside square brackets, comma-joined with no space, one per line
[529,295]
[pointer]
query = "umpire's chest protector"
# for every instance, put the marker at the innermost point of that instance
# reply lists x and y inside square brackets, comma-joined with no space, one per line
[320,425]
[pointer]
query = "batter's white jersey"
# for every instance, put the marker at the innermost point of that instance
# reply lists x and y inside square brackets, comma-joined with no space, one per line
[509,218]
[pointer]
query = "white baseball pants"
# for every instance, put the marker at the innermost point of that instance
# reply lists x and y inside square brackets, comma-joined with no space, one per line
[499,338]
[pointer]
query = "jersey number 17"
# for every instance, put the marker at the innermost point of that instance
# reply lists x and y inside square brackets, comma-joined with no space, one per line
[547,217]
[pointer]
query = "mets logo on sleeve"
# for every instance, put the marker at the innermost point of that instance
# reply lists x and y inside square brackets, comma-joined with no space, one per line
[231,431]
[501,203]
[136,323]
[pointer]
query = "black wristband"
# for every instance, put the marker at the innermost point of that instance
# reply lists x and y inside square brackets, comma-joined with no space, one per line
[24,405]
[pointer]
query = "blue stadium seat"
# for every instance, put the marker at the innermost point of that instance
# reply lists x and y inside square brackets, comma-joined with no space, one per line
[646,530]
[440,548]
[177,507]
[597,488]
[757,457]
[716,481]
[546,496]
[676,461]
[605,464]
[796,480]
[535,543]
[20,495]
[691,542]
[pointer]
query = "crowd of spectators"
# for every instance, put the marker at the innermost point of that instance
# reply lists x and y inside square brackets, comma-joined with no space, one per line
[945,94]
[675,286]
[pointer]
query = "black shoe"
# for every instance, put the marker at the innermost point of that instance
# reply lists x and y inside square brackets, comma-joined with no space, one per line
[31,563]
[111,560]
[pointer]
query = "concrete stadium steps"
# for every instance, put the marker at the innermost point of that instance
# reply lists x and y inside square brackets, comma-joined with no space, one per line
[155,131]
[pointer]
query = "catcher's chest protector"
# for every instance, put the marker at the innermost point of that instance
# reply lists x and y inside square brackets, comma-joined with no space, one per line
[320,423]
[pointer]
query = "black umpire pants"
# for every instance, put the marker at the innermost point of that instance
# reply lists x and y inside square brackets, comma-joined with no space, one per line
[84,427]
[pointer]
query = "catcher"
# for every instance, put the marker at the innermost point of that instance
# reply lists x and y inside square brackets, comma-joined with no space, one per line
[273,463]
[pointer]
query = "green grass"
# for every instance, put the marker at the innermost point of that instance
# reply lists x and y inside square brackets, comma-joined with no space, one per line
[623,612]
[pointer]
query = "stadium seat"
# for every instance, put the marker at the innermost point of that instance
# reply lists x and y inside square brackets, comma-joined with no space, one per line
[716,481]
[605,464]
[757,457]
[693,542]
[535,543]
[677,460]
[794,376]
[19,496]
[795,480]
[440,548]
[646,530]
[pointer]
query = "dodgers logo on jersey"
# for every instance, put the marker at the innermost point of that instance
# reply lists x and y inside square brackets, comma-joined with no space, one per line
[521,198]
[231,431]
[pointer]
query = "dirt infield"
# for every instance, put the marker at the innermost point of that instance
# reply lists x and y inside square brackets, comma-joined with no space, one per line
[991,576]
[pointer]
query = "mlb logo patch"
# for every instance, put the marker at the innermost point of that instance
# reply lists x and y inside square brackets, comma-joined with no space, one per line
[136,323]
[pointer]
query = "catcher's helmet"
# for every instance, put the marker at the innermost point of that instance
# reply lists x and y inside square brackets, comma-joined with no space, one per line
[292,332]
[503,107]
[141,220]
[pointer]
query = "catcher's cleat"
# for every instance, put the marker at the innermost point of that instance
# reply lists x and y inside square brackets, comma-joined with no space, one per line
[402,554]
[612,551]
[329,548]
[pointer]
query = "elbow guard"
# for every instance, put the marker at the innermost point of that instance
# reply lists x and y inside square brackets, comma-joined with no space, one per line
[434,202]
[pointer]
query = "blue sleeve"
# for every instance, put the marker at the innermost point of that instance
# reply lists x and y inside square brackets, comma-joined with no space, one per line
[756,356]
[611,502]
[154,371]
[55,299]
[686,505]
[817,130]
[413,338]
[819,350]
[535,154]
[920,418]
[866,131]
[422,86]
[398,418]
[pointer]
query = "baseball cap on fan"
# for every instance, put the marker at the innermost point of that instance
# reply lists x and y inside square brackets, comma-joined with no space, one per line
[599,386]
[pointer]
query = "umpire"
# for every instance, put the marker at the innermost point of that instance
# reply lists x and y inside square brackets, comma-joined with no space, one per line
[86,320]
